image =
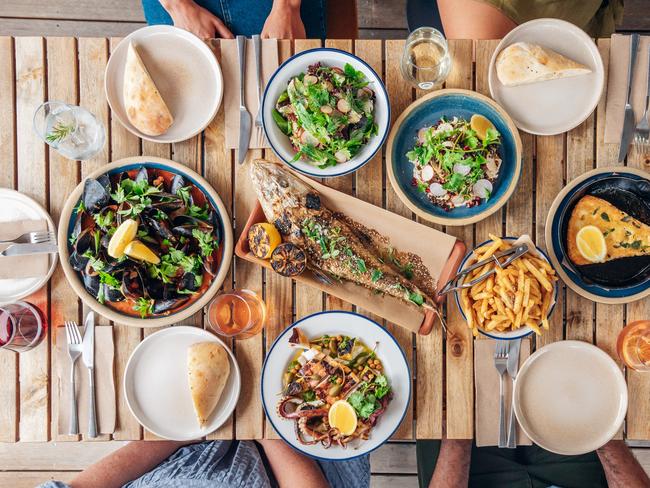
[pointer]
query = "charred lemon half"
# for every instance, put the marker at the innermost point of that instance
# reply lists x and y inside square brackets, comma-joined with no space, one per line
[288,260]
[263,239]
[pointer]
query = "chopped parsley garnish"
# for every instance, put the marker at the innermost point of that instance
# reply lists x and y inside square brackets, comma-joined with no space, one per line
[143,306]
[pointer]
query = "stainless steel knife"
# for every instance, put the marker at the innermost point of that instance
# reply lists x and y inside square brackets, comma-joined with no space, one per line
[513,368]
[88,355]
[244,114]
[628,117]
[24,249]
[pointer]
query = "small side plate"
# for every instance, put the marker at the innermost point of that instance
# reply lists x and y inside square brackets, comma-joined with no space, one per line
[17,206]
[156,385]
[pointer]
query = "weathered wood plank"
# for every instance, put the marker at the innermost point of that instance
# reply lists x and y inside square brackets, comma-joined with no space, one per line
[120,10]
[8,361]
[391,481]
[279,290]
[579,159]
[80,28]
[33,181]
[382,14]
[249,422]
[64,176]
[394,458]
[550,171]
[52,456]
[459,352]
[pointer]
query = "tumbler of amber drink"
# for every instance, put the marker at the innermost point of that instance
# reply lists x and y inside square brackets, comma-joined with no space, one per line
[633,345]
[238,313]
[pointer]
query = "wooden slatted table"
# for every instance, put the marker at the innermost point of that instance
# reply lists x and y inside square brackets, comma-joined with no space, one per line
[35,69]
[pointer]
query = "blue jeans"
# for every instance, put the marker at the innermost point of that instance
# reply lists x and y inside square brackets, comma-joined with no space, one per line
[245,17]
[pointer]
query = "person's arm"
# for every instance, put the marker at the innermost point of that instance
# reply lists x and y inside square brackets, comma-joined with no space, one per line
[126,464]
[452,466]
[622,470]
[201,22]
[284,21]
[473,19]
[290,468]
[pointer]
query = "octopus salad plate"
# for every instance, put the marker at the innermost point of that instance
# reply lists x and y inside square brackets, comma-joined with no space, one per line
[335,385]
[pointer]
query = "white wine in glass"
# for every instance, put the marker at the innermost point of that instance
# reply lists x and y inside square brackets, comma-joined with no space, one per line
[426,61]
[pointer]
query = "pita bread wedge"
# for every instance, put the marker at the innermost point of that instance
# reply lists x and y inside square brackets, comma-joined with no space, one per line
[522,63]
[208,368]
[144,105]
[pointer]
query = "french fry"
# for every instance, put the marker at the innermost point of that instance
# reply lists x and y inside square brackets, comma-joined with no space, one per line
[540,277]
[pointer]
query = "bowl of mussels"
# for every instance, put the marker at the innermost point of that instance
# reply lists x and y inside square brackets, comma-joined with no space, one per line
[598,235]
[145,241]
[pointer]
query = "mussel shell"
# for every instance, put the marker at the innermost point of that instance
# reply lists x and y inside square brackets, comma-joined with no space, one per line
[180,220]
[132,284]
[159,227]
[91,283]
[112,294]
[166,305]
[188,282]
[77,261]
[183,230]
[105,181]
[142,175]
[95,195]
[178,182]
[85,241]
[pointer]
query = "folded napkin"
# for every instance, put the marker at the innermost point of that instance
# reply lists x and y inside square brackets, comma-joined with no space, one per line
[104,383]
[230,67]
[486,381]
[22,266]
[619,60]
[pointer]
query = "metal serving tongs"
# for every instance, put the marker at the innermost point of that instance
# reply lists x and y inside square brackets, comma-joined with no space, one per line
[510,255]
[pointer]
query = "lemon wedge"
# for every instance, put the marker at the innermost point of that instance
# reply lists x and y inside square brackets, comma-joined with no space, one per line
[591,244]
[480,125]
[124,234]
[263,238]
[343,417]
[138,250]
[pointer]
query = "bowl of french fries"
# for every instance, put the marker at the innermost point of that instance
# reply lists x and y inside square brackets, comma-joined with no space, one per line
[513,301]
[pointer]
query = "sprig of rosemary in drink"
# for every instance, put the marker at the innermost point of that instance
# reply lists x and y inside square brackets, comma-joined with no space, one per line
[59,132]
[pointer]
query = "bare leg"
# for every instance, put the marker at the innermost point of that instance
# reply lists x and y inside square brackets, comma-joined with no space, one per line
[472,19]
[126,464]
[290,468]
[621,468]
[452,466]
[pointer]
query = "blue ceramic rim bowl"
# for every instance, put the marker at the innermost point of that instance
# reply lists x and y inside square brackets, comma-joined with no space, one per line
[379,139]
[560,212]
[522,331]
[281,336]
[428,110]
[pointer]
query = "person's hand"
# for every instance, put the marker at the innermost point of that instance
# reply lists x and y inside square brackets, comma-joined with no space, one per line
[189,16]
[284,21]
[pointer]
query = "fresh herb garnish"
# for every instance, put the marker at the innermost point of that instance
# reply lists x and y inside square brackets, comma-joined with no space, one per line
[59,132]
[143,306]
[206,240]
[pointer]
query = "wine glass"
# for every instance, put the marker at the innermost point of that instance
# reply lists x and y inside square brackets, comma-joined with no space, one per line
[426,61]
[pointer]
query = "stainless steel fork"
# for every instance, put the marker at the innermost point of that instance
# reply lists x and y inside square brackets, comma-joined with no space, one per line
[642,130]
[501,364]
[74,351]
[31,238]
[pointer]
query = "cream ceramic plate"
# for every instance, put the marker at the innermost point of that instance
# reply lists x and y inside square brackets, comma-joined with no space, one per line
[16,206]
[157,390]
[185,71]
[570,397]
[554,106]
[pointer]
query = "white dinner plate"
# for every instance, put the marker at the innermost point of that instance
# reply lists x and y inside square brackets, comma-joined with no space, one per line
[553,106]
[570,397]
[185,71]
[157,389]
[388,352]
[17,206]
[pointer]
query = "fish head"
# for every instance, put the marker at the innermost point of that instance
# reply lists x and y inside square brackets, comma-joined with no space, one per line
[277,188]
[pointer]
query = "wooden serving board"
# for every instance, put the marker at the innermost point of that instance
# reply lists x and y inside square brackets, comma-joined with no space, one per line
[440,252]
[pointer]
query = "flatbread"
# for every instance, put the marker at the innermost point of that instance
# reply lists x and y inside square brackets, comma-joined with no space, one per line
[522,63]
[208,368]
[145,107]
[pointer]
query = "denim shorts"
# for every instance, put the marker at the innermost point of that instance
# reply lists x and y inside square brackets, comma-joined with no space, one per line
[245,17]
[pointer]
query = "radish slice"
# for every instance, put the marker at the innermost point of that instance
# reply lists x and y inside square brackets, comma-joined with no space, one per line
[462,169]
[458,200]
[482,188]
[422,133]
[436,190]
[426,173]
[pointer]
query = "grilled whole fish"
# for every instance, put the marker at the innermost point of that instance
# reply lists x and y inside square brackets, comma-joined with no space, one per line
[334,243]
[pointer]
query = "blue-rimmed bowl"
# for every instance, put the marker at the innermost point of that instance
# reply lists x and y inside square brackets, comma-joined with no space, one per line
[425,112]
[511,334]
[594,182]
[67,221]
[388,351]
[298,64]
